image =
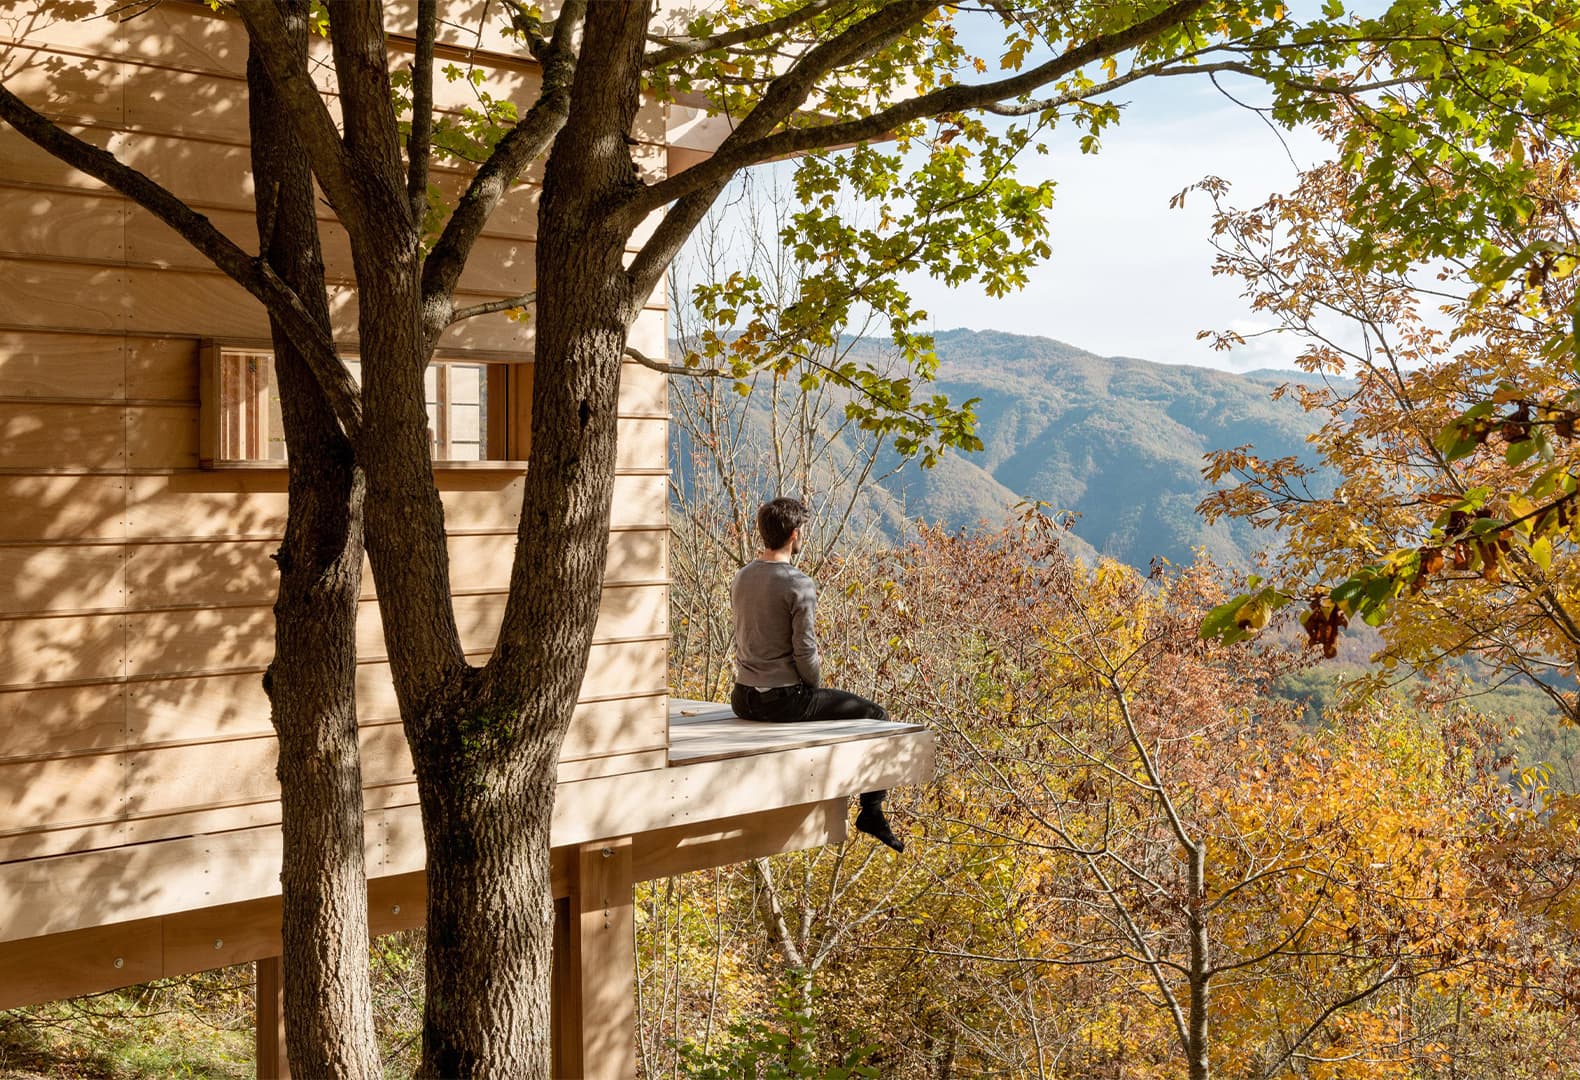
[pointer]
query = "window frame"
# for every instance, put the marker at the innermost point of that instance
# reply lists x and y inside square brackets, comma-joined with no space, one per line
[506,430]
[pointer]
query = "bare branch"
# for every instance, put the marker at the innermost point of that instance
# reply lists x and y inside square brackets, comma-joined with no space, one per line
[419,144]
[492,306]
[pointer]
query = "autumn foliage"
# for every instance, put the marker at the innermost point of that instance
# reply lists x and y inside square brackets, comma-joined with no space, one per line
[1133,861]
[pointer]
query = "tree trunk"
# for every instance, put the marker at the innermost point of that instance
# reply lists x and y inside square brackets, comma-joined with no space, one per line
[1200,963]
[312,680]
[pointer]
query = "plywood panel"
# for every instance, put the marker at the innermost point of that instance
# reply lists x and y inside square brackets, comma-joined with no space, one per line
[608,727]
[482,562]
[643,391]
[62,720]
[386,758]
[214,639]
[60,791]
[625,668]
[66,87]
[211,175]
[190,302]
[61,647]
[496,332]
[196,104]
[228,572]
[23,161]
[62,507]
[649,335]
[151,241]
[61,294]
[185,36]
[162,369]
[44,578]
[195,707]
[643,444]
[45,436]
[162,436]
[239,503]
[610,765]
[640,501]
[167,710]
[62,365]
[38,23]
[622,613]
[481,500]
[78,224]
[48,895]
[174,779]
[516,216]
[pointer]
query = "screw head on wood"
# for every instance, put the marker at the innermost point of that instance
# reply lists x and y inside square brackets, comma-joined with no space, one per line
[119,962]
[608,852]
[395,910]
[219,943]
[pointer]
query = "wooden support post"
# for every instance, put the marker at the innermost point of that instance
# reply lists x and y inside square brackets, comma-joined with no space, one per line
[269,1020]
[595,966]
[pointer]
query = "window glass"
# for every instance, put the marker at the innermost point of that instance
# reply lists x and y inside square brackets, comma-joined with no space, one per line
[458,395]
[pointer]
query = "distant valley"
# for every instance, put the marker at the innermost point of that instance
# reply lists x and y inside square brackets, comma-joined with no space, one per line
[1119,441]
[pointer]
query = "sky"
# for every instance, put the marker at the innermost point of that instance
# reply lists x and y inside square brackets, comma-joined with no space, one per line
[1129,276]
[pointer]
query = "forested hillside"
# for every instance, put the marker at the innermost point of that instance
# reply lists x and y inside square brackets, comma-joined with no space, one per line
[1120,441]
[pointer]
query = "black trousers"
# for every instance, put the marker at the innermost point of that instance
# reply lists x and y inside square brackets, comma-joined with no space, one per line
[787,704]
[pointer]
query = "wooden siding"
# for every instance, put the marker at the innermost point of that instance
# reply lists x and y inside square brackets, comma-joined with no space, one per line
[135,587]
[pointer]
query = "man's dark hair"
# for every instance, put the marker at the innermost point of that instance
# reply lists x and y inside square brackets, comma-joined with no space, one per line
[777,519]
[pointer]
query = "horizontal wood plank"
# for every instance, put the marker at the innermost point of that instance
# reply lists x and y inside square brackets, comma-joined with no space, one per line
[81,962]
[61,720]
[61,791]
[62,508]
[62,365]
[39,435]
[62,647]
[47,578]
[79,224]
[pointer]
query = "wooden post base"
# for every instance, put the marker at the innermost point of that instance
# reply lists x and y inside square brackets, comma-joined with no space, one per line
[595,966]
[269,1020]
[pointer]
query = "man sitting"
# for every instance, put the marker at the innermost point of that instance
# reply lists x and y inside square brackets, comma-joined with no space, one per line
[778,673]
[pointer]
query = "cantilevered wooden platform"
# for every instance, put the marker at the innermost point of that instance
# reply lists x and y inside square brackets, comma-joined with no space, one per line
[707,731]
[731,790]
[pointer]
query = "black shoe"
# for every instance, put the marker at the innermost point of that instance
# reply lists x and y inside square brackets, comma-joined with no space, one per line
[872,822]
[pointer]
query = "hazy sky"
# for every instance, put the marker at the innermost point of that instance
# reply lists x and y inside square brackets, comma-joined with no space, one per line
[1130,276]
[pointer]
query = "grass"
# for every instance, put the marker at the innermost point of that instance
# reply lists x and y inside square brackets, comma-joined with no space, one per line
[195,1026]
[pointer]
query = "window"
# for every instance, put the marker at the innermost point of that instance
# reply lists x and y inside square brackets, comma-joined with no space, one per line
[470,406]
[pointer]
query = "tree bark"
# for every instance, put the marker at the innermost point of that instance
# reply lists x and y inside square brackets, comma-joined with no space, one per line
[312,679]
[1200,962]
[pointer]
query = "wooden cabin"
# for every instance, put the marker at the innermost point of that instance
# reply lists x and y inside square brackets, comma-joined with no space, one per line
[142,492]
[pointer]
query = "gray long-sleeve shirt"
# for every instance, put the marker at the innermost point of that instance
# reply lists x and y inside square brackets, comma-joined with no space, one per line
[774,604]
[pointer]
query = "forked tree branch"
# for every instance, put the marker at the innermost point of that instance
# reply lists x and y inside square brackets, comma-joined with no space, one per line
[743,150]
[787,93]
[289,74]
[520,146]
[249,271]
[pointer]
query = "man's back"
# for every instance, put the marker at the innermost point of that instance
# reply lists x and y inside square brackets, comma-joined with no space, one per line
[774,605]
